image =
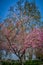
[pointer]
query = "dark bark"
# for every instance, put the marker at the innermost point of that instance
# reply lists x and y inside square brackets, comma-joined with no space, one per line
[21,63]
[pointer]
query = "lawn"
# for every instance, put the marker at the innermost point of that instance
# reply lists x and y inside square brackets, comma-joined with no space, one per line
[29,62]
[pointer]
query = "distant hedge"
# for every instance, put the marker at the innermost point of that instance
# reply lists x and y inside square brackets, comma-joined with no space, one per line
[30,62]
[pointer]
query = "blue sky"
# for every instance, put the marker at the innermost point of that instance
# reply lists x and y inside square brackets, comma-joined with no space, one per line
[5,4]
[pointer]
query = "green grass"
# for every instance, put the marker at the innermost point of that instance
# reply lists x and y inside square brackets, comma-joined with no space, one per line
[29,62]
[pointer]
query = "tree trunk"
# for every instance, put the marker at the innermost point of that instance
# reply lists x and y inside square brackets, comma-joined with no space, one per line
[21,63]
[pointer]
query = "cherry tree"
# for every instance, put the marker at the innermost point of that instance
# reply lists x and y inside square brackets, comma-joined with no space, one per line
[39,52]
[35,39]
[11,40]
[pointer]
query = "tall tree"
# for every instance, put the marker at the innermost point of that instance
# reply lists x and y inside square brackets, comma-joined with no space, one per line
[16,25]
